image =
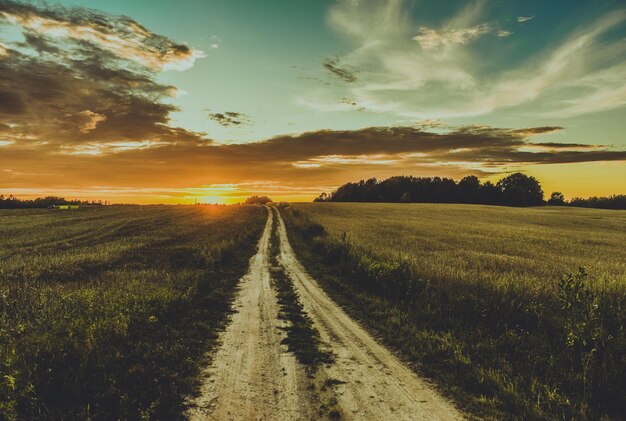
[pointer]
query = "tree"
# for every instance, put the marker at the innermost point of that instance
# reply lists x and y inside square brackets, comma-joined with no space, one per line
[556,199]
[489,194]
[515,190]
[468,189]
[321,198]
[520,190]
[261,200]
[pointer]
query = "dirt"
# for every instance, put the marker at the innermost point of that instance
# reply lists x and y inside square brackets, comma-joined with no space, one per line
[376,384]
[254,377]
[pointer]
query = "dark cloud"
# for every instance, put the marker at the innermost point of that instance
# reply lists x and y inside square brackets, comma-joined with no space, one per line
[230,118]
[320,158]
[49,27]
[538,130]
[80,76]
[333,66]
[554,145]
[352,103]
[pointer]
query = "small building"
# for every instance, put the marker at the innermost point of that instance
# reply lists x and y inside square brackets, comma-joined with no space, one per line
[66,206]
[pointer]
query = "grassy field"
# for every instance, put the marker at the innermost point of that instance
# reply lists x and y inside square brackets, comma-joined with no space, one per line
[106,313]
[485,243]
[480,298]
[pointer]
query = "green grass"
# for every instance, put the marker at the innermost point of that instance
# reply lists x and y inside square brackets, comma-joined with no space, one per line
[106,313]
[477,297]
[302,339]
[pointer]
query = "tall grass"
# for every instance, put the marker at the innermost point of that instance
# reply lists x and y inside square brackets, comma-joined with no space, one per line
[518,341]
[107,313]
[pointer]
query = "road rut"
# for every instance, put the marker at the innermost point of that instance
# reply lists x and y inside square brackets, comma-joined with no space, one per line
[252,376]
[376,384]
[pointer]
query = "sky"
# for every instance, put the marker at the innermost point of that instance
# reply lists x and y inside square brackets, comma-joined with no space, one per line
[155,101]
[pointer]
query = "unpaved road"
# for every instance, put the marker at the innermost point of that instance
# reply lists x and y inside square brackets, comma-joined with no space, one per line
[377,385]
[252,376]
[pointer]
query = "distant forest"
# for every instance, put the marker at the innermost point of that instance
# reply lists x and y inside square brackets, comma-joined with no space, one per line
[514,190]
[12,202]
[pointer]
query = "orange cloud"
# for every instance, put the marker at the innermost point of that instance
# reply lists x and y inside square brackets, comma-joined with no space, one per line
[101,126]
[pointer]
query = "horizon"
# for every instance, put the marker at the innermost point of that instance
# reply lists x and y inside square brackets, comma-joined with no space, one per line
[221,100]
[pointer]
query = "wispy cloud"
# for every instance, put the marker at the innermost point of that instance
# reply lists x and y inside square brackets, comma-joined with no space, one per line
[419,72]
[431,38]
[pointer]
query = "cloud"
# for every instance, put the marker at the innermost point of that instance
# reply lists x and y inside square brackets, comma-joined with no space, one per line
[431,38]
[230,118]
[523,19]
[306,162]
[122,36]
[215,42]
[79,77]
[532,131]
[332,65]
[78,112]
[91,120]
[439,74]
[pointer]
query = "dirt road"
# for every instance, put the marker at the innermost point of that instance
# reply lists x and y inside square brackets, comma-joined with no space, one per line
[377,385]
[252,376]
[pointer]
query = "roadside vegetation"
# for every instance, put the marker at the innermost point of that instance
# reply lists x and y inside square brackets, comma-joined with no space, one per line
[488,301]
[107,312]
[302,338]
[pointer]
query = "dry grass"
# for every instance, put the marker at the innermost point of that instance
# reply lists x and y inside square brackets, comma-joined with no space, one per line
[484,243]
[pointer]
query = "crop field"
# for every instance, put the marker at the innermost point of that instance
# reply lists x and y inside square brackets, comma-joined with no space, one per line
[473,243]
[107,312]
[488,301]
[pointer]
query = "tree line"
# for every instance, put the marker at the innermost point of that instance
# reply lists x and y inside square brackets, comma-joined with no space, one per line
[616,201]
[513,190]
[12,202]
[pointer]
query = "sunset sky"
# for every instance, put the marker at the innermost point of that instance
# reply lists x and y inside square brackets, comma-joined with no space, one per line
[154,101]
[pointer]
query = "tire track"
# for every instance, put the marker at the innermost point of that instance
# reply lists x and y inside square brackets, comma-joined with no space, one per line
[376,384]
[252,376]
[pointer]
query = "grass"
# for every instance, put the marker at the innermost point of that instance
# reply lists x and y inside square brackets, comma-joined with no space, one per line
[106,313]
[473,243]
[481,300]
[302,339]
